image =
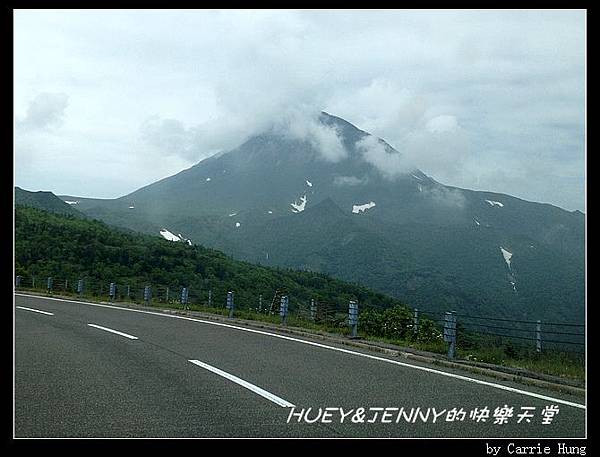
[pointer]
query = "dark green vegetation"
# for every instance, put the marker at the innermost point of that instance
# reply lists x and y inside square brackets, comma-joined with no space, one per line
[427,244]
[67,247]
[495,350]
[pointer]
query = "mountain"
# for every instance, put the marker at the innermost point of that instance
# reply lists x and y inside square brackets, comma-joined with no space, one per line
[277,199]
[46,201]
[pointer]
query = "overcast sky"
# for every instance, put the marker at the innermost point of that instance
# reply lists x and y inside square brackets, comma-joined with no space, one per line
[108,101]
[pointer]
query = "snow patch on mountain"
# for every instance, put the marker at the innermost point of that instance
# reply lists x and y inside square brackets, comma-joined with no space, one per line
[169,236]
[299,207]
[362,208]
[184,239]
[72,202]
[507,256]
[493,203]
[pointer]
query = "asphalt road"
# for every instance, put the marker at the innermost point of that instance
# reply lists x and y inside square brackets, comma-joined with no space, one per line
[167,376]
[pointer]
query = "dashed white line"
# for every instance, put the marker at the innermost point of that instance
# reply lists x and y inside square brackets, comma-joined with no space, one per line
[36,310]
[126,335]
[333,348]
[263,393]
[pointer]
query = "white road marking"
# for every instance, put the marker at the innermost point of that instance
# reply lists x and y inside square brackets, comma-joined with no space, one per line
[126,335]
[35,310]
[263,393]
[346,351]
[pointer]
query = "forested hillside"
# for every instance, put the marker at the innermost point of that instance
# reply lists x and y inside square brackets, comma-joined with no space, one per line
[64,246]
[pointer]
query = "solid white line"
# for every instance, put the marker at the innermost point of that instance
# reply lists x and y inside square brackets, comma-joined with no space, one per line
[126,335]
[263,393]
[346,351]
[35,310]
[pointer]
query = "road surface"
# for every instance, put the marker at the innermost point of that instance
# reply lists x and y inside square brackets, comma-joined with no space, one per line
[91,370]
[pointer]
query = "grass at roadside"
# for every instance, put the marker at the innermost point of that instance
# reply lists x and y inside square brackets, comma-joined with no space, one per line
[554,363]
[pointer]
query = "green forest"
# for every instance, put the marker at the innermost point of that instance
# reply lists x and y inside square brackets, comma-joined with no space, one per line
[64,246]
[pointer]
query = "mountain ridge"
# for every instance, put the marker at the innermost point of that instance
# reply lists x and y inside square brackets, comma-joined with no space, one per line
[44,200]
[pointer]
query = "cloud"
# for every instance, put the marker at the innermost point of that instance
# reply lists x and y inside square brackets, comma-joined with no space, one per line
[440,147]
[45,111]
[441,124]
[171,137]
[448,89]
[348,181]
[390,164]
[444,196]
[167,136]
[381,106]
[427,136]
[326,139]
[304,125]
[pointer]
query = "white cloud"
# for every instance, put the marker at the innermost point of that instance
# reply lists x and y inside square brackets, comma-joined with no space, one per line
[440,148]
[445,88]
[445,197]
[327,141]
[45,111]
[304,125]
[167,136]
[382,106]
[390,164]
[441,124]
[348,181]
[426,136]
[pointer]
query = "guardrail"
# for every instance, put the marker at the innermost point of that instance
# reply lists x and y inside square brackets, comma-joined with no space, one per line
[455,327]
[542,335]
